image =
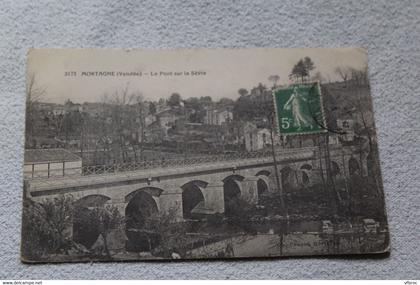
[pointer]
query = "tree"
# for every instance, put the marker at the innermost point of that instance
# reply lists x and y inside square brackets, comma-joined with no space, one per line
[172,233]
[162,101]
[244,109]
[192,103]
[302,69]
[33,94]
[84,126]
[106,219]
[299,71]
[226,102]
[259,90]
[122,115]
[152,108]
[102,127]
[45,227]
[343,72]
[274,78]
[196,109]
[245,106]
[140,128]
[309,65]
[243,92]
[206,101]
[359,76]
[174,100]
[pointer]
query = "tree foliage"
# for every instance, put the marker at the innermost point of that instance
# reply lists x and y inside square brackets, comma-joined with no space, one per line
[100,220]
[274,78]
[34,94]
[225,102]
[174,100]
[152,108]
[172,233]
[302,69]
[196,110]
[309,64]
[45,227]
[255,106]
[243,92]
[357,76]
[206,100]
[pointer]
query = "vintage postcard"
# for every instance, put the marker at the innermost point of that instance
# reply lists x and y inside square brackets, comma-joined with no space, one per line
[188,154]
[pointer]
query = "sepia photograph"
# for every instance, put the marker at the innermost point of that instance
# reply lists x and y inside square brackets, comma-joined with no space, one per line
[200,154]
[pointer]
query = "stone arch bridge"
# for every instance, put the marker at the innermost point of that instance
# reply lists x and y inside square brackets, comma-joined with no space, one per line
[201,189]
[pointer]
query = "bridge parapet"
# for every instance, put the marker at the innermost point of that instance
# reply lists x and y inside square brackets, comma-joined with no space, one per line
[295,157]
[164,163]
[69,181]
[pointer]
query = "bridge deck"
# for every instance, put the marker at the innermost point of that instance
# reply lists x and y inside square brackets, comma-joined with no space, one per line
[39,184]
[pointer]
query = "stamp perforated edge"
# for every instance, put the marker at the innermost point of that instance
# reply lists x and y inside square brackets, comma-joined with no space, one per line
[322,110]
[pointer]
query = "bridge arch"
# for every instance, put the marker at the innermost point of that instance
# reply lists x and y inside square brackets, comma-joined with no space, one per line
[193,198]
[263,182]
[354,167]
[335,169]
[140,213]
[232,192]
[234,177]
[286,178]
[85,224]
[305,169]
[305,178]
[152,191]
[262,186]
[263,172]
[306,166]
[92,201]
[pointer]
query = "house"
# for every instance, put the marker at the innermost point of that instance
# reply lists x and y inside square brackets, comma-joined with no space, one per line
[45,108]
[58,110]
[167,119]
[218,116]
[70,107]
[256,137]
[51,163]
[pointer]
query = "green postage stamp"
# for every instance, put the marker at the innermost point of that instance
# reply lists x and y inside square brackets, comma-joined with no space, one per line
[299,109]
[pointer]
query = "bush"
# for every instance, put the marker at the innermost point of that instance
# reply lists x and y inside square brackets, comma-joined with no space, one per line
[45,227]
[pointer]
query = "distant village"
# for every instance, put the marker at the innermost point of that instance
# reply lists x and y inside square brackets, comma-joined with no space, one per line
[125,128]
[199,124]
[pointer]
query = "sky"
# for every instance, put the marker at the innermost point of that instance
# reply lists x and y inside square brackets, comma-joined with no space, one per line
[75,73]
